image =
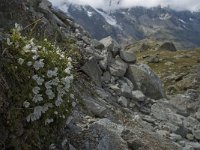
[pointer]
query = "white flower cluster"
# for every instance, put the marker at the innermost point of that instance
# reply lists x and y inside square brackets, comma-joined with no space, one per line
[38,110]
[52,87]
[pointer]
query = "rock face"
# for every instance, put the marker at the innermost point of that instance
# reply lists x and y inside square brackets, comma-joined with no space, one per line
[168,46]
[92,69]
[146,81]
[111,45]
[118,67]
[128,57]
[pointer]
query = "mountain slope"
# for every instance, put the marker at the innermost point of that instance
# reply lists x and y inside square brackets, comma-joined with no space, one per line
[139,23]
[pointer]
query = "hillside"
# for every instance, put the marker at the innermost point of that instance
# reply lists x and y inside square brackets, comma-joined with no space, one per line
[61,89]
[138,23]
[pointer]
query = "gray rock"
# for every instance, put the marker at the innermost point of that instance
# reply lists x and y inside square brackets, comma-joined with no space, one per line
[123,101]
[175,137]
[128,57]
[138,95]
[91,68]
[168,46]
[118,67]
[106,61]
[146,80]
[95,107]
[126,90]
[106,77]
[97,44]
[166,112]
[196,134]
[194,145]
[190,136]
[111,45]
[191,123]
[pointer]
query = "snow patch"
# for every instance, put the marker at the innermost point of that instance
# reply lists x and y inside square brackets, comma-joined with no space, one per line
[109,19]
[182,21]
[89,13]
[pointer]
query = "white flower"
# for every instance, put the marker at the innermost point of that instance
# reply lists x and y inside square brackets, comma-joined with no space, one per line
[26,104]
[27,47]
[59,101]
[51,73]
[36,90]
[20,61]
[31,117]
[67,70]
[55,81]
[50,94]
[34,49]
[48,121]
[72,96]
[55,112]
[29,63]
[18,27]
[48,85]
[38,79]
[35,57]
[38,64]
[52,147]
[69,59]
[38,111]
[37,98]
[46,107]
[9,42]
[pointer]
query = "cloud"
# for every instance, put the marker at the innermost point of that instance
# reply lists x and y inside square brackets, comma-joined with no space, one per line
[192,5]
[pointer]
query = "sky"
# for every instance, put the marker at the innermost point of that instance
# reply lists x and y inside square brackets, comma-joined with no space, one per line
[192,5]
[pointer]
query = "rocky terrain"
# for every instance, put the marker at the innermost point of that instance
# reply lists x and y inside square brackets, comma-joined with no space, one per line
[109,100]
[179,70]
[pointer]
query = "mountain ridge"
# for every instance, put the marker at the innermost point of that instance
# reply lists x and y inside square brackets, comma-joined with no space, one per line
[138,23]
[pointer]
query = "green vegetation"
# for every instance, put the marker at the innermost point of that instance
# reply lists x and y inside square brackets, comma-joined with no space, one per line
[42,94]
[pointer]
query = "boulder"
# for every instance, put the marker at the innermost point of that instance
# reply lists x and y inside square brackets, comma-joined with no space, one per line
[118,67]
[122,101]
[92,69]
[111,45]
[168,46]
[106,77]
[126,90]
[196,134]
[97,44]
[127,56]
[146,80]
[138,95]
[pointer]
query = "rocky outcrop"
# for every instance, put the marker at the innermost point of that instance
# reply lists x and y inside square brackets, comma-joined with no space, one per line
[146,81]
[168,46]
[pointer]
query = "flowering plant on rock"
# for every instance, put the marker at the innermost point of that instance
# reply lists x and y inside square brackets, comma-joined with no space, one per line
[45,76]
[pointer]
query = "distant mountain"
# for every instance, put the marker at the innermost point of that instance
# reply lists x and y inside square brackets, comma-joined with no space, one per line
[133,24]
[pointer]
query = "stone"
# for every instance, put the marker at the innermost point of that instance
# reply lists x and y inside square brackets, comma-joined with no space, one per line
[122,101]
[190,136]
[138,95]
[126,90]
[196,134]
[107,59]
[95,107]
[153,59]
[175,137]
[146,80]
[111,45]
[127,56]
[106,77]
[168,46]
[118,67]
[92,69]
[97,44]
